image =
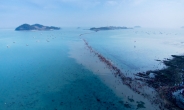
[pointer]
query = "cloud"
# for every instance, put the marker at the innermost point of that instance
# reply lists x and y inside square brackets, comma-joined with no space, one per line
[81,4]
[138,2]
[94,12]
[111,3]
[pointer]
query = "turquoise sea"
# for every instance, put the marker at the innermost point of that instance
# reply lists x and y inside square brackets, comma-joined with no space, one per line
[37,71]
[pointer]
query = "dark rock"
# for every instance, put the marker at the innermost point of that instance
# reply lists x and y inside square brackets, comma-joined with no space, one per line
[127,105]
[98,99]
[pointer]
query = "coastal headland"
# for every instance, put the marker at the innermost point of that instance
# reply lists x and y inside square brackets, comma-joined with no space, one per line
[169,82]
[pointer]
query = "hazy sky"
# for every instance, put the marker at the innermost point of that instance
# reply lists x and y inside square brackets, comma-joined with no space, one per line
[146,13]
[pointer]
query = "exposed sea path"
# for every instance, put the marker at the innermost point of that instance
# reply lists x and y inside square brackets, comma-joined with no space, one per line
[41,70]
[160,43]
[129,98]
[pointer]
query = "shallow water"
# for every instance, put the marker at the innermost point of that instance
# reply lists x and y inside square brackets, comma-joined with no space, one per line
[36,73]
[37,70]
[92,62]
[136,50]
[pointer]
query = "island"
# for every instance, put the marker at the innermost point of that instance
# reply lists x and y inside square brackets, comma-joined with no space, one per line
[182,27]
[137,26]
[39,27]
[108,28]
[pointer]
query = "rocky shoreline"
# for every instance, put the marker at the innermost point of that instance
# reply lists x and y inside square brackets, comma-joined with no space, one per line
[169,82]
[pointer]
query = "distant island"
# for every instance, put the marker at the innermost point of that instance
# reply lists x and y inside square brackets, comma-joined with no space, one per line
[137,26]
[182,27]
[39,27]
[108,28]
